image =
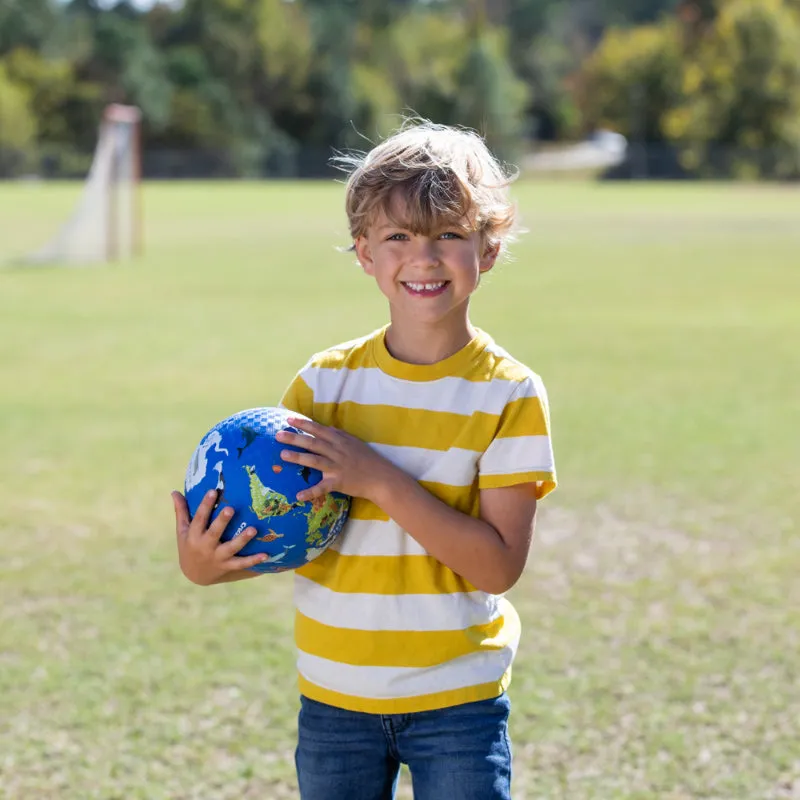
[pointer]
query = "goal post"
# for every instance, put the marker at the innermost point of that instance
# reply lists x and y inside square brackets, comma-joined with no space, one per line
[106,224]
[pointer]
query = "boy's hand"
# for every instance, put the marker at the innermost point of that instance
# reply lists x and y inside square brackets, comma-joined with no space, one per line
[203,558]
[347,464]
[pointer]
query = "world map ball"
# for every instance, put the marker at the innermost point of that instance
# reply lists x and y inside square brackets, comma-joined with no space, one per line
[240,458]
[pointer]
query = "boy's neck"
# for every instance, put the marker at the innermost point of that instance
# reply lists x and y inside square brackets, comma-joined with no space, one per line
[416,344]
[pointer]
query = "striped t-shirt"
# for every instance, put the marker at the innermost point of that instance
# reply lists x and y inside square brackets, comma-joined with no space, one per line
[380,625]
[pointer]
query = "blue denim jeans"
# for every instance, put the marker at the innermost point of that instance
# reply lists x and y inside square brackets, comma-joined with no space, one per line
[457,753]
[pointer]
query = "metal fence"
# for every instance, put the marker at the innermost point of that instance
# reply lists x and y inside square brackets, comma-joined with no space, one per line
[642,162]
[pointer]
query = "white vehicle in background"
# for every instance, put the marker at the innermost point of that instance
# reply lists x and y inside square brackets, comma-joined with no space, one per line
[602,150]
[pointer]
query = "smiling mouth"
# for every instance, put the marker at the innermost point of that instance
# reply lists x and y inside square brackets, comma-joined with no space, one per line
[425,289]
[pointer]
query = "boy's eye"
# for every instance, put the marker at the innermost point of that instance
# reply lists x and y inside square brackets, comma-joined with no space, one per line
[450,235]
[396,237]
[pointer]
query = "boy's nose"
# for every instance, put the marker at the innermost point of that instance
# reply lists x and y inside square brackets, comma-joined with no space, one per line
[425,254]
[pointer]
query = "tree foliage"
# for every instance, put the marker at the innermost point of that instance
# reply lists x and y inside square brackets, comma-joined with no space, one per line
[17,123]
[25,23]
[632,80]
[741,93]
[720,84]
[270,86]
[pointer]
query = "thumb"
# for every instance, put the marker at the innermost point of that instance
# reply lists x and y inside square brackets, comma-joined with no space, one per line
[325,486]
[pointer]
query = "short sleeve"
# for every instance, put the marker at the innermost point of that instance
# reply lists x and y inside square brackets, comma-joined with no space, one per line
[522,450]
[299,395]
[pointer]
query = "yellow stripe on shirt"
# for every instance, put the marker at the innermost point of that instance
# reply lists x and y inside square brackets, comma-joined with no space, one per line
[545,481]
[405,705]
[395,425]
[299,397]
[364,509]
[344,357]
[407,648]
[434,430]
[384,574]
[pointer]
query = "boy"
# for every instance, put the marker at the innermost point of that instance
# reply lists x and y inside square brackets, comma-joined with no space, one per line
[404,638]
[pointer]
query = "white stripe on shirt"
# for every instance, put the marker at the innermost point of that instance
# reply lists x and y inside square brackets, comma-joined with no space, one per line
[363,537]
[402,612]
[397,682]
[517,454]
[454,467]
[370,386]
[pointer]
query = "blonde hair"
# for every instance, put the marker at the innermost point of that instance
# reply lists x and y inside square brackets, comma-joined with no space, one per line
[445,175]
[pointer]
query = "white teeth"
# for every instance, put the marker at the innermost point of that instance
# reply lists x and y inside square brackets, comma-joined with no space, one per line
[422,287]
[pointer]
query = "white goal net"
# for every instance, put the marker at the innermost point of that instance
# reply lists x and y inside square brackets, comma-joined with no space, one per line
[106,224]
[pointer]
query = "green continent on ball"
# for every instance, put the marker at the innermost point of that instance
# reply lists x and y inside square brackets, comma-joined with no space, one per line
[266,502]
[324,512]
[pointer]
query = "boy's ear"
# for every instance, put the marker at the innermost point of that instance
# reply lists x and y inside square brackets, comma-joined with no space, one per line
[490,254]
[364,254]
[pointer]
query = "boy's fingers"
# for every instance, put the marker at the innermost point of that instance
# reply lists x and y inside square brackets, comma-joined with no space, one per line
[315,460]
[201,517]
[324,432]
[244,562]
[310,444]
[233,546]
[182,520]
[217,527]
[319,490]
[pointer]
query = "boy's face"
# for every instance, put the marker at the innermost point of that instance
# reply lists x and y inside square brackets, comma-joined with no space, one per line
[426,277]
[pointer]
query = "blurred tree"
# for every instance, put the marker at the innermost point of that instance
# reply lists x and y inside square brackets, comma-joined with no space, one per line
[58,100]
[375,14]
[376,100]
[199,101]
[742,93]
[204,44]
[546,63]
[424,53]
[260,79]
[334,105]
[492,99]
[449,67]
[120,55]
[235,65]
[635,12]
[548,42]
[286,54]
[17,125]
[25,23]
[631,81]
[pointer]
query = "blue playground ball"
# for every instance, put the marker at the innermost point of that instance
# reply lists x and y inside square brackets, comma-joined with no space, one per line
[241,459]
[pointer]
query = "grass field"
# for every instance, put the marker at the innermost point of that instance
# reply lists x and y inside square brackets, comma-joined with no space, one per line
[661,604]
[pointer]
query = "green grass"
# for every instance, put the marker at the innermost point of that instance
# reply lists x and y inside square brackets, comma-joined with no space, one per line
[661,608]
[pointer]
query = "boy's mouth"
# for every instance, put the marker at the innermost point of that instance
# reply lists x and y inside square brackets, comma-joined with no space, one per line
[425,288]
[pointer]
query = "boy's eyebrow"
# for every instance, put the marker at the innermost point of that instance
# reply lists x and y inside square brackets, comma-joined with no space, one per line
[406,225]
